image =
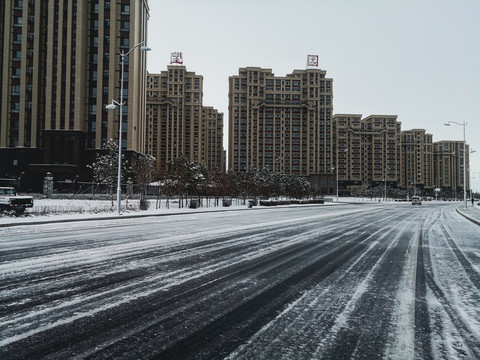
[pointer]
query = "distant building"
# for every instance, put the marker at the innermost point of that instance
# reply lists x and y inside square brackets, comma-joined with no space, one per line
[280,123]
[60,67]
[374,151]
[212,139]
[416,171]
[178,123]
[449,158]
[366,150]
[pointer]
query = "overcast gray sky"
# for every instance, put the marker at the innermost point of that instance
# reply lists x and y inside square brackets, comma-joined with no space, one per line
[418,59]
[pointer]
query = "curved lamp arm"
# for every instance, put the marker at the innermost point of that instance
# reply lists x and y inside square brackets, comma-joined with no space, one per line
[142,45]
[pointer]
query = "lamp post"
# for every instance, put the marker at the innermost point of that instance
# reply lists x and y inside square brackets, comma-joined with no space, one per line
[414,184]
[464,124]
[338,155]
[112,106]
[471,151]
[385,180]
[438,188]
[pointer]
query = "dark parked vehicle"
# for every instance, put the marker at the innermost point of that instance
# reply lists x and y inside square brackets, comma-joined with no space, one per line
[9,201]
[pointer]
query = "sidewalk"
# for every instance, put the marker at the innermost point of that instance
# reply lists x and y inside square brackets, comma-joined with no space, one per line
[472,213]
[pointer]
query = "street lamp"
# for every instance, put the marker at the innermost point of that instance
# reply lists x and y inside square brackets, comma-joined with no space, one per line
[338,154]
[438,188]
[415,177]
[464,124]
[385,179]
[471,151]
[112,106]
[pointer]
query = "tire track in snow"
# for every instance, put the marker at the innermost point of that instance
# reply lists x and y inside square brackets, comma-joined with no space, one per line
[458,341]
[186,291]
[256,312]
[187,288]
[363,328]
[177,326]
[76,317]
[310,320]
[423,347]
[462,259]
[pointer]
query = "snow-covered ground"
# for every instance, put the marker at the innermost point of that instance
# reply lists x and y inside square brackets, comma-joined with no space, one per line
[380,280]
[76,209]
[45,210]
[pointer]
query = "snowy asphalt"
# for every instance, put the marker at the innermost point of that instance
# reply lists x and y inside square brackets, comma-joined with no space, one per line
[389,281]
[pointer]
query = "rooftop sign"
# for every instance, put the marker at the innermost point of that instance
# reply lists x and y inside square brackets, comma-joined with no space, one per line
[312,60]
[176,58]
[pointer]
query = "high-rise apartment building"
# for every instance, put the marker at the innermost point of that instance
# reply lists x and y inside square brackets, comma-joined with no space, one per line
[375,151]
[280,123]
[212,138]
[178,123]
[416,171]
[449,158]
[60,67]
[366,150]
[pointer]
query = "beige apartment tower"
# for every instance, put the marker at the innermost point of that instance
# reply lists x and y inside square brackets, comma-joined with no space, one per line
[448,160]
[280,123]
[178,123]
[416,171]
[366,150]
[212,139]
[60,67]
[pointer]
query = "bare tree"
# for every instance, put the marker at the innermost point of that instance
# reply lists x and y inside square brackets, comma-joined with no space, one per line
[178,172]
[143,170]
[105,167]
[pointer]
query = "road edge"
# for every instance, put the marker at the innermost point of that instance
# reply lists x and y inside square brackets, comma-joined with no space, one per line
[475,221]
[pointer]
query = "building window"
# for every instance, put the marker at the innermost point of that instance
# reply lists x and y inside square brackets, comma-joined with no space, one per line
[17,55]
[16,72]
[17,38]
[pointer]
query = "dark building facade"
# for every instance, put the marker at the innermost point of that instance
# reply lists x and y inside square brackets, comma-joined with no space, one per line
[60,67]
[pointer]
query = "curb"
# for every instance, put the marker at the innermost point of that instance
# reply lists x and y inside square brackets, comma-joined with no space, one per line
[475,221]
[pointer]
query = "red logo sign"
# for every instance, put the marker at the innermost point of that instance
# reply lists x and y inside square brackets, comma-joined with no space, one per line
[312,60]
[176,58]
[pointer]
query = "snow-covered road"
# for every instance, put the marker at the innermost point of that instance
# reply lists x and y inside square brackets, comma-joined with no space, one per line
[309,282]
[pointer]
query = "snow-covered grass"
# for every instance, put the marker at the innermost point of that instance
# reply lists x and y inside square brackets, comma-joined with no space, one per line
[59,206]
[67,209]
[64,209]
